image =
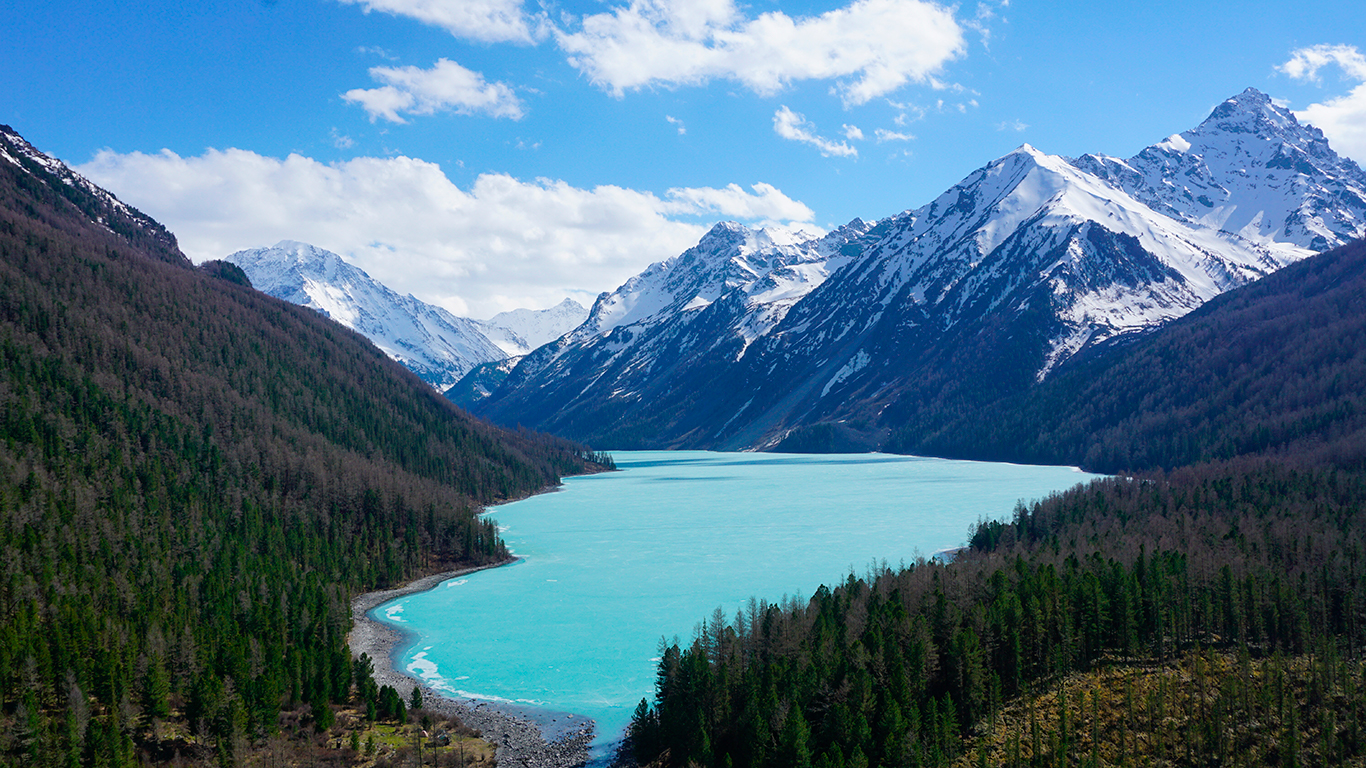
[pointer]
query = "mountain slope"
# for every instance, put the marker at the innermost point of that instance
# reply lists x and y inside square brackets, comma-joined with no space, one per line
[1275,368]
[194,477]
[431,342]
[50,189]
[1024,265]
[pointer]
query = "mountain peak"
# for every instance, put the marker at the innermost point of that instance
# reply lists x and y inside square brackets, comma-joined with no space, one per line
[725,233]
[1250,170]
[436,345]
[1250,112]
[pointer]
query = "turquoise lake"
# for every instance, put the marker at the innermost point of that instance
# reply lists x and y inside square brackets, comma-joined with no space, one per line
[613,562]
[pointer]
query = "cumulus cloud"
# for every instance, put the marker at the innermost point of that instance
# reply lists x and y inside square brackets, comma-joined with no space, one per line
[682,129]
[501,244]
[1305,63]
[1342,119]
[794,127]
[883,135]
[447,86]
[872,47]
[1012,125]
[852,132]
[491,21]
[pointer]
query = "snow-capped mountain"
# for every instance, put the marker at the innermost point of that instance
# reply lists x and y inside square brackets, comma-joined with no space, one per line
[430,341]
[1022,266]
[1250,169]
[519,331]
[675,321]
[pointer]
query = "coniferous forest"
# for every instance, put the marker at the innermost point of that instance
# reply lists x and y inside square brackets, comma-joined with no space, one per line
[1205,607]
[195,478]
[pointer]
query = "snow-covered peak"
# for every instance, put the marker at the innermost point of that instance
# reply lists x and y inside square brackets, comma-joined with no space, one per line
[292,271]
[1249,112]
[1250,169]
[1105,236]
[519,331]
[762,266]
[435,344]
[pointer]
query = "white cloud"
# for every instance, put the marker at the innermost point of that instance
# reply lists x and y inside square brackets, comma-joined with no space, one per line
[447,86]
[492,21]
[375,50]
[1342,119]
[501,244]
[340,140]
[886,135]
[983,20]
[794,127]
[1012,125]
[682,129]
[872,46]
[767,204]
[1305,63]
[852,133]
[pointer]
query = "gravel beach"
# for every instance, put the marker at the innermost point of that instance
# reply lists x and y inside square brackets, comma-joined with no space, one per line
[524,737]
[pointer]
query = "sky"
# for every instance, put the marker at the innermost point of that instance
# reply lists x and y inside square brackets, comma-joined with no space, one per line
[485,155]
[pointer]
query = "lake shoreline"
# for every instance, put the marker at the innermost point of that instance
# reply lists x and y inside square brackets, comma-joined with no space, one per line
[523,736]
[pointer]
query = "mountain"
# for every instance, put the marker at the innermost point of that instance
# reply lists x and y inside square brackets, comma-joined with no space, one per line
[661,336]
[1030,263]
[519,331]
[1272,369]
[481,382]
[195,478]
[430,341]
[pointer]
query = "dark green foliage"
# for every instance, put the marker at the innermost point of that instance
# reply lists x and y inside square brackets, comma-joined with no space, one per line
[897,669]
[225,270]
[194,480]
[390,705]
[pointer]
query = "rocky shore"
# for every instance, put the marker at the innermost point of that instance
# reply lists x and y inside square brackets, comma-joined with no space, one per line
[524,738]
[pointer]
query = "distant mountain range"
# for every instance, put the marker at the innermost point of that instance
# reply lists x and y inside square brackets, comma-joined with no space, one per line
[757,339]
[430,341]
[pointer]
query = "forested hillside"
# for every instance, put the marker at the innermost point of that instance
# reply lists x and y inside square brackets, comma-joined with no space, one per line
[194,479]
[1275,369]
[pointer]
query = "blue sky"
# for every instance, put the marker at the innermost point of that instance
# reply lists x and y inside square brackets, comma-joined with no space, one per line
[489,154]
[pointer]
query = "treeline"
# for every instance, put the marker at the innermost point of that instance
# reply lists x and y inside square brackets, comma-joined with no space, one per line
[898,667]
[1271,369]
[194,480]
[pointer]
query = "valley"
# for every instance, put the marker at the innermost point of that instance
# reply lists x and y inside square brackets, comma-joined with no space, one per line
[203,465]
